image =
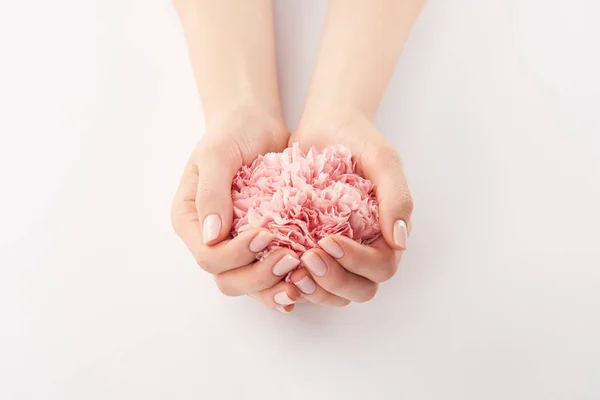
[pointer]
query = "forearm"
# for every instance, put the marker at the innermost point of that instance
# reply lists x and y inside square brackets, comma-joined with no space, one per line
[361,42]
[232,50]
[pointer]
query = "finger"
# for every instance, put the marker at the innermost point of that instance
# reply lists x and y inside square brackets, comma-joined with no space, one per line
[184,215]
[259,275]
[314,293]
[233,253]
[280,297]
[377,262]
[332,277]
[384,168]
[216,166]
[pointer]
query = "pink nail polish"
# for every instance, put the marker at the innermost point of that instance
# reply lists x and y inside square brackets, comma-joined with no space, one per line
[283,299]
[331,247]
[306,285]
[400,234]
[314,263]
[211,228]
[260,241]
[285,265]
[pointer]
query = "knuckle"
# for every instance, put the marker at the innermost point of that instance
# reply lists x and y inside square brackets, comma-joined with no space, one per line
[343,303]
[407,201]
[180,219]
[258,285]
[369,293]
[386,273]
[190,174]
[203,192]
[225,286]
[204,263]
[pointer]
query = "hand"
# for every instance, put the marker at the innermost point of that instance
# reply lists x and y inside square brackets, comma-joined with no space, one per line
[202,210]
[341,270]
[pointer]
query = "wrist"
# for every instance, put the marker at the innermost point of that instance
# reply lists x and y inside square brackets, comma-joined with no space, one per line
[331,119]
[242,106]
[254,122]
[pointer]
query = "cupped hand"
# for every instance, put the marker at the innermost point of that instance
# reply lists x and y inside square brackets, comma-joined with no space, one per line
[202,211]
[341,270]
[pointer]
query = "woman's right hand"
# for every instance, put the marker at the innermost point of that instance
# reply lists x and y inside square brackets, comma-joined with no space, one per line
[341,270]
[202,210]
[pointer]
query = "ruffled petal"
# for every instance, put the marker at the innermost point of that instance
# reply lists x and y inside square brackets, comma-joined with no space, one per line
[304,198]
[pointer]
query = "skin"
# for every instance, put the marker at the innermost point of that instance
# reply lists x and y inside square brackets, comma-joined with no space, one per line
[232,51]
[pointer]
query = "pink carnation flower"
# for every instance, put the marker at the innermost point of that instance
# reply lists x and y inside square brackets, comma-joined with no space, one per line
[303,198]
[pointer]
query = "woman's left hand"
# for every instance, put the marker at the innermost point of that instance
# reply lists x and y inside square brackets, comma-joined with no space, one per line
[341,270]
[202,211]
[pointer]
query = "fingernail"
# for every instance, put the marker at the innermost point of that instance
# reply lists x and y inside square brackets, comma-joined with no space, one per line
[283,299]
[285,265]
[211,227]
[282,309]
[261,241]
[306,285]
[315,264]
[331,247]
[400,234]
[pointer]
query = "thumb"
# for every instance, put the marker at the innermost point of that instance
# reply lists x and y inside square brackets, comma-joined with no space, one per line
[217,165]
[393,195]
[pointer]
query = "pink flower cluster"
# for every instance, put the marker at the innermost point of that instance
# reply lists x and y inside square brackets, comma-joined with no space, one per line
[303,198]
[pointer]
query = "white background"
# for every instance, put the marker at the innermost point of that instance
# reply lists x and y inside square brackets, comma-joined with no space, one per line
[495,108]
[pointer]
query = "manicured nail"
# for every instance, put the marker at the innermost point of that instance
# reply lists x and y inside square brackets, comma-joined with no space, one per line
[211,227]
[285,265]
[283,299]
[314,263]
[282,309]
[331,247]
[261,241]
[400,234]
[306,285]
